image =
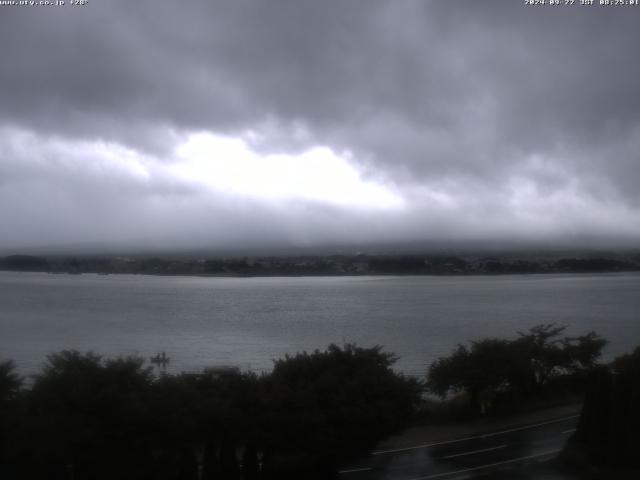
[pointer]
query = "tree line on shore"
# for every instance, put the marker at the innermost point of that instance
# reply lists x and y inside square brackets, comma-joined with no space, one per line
[323,265]
[89,417]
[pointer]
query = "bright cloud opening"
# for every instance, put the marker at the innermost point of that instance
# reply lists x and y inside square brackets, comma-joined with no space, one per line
[319,174]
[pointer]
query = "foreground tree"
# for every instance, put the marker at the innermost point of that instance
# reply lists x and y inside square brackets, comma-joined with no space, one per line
[610,421]
[10,381]
[486,367]
[548,355]
[10,384]
[85,416]
[519,368]
[328,406]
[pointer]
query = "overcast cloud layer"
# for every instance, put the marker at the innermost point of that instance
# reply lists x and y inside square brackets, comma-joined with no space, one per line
[298,123]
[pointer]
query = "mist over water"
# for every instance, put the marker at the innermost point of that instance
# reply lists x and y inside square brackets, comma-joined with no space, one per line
[248,322]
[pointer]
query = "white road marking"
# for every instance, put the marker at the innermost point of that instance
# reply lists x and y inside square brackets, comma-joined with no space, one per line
[427,445]
[489,465]
[571,430]
[354,470]
[475,451]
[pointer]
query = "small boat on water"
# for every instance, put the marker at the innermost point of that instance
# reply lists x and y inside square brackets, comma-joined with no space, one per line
[160,359]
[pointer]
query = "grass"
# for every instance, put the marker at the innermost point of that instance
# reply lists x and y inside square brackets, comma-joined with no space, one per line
[456,408]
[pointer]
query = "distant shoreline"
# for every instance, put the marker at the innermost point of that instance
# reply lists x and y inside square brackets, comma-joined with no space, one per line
[316,275]
[324,266]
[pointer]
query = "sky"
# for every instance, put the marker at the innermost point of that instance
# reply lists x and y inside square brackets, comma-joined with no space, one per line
[301,123]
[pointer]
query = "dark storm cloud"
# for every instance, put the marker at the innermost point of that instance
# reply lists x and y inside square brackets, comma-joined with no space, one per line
[529,116]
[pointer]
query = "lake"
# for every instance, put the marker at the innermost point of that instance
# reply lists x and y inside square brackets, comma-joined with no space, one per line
[248,322]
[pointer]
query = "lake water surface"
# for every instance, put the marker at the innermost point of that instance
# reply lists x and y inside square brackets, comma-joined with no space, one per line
[248,322]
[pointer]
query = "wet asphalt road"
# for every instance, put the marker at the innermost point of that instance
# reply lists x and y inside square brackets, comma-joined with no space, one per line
[484,456]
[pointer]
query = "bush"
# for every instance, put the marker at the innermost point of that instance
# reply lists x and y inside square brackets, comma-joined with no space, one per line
[90,417]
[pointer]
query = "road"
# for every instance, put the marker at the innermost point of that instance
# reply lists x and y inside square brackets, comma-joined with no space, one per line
[467,457]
